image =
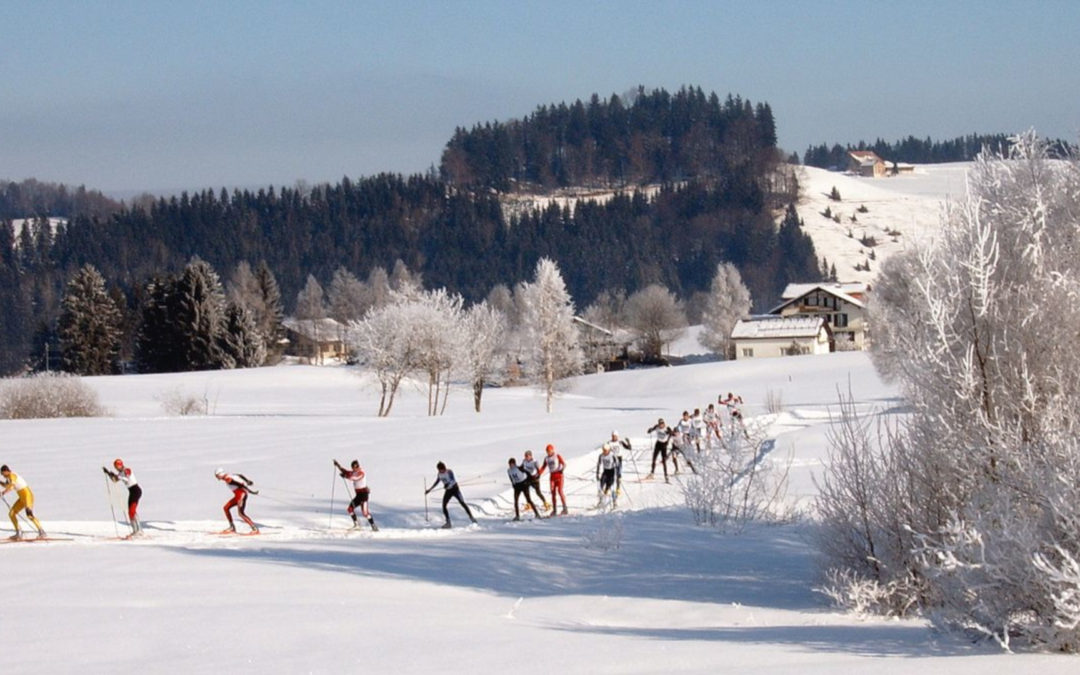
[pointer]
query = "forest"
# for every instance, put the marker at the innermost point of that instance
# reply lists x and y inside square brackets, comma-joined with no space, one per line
[716,164]
[913,150]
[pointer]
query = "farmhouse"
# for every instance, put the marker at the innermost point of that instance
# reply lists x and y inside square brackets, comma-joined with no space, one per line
[768,335]
[842,305]
[315,341]
[866,163]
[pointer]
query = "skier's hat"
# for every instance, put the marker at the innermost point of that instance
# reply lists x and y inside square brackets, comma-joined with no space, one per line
[118,463]
[219,472]
[614,432]
[550,447]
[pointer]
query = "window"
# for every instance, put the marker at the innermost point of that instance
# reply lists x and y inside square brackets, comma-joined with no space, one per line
[840,320]
[748,352]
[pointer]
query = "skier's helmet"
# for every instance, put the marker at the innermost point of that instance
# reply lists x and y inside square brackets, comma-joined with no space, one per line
[550,448]
[118,463]
[614,433]
[219,472]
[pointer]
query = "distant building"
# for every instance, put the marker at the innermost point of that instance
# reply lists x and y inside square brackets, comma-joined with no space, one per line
[842,305]
[866,163]
[769,336]
[315,341]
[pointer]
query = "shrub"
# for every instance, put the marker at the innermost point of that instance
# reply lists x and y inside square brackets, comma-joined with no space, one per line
[179,402]
[48,395]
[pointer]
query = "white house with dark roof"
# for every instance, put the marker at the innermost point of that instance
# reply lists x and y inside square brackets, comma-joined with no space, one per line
[768,336]
[315,341]
[842,305]
[866,163]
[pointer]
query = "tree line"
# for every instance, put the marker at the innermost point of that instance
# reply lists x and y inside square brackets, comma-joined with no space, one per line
[922,151]
[646,136]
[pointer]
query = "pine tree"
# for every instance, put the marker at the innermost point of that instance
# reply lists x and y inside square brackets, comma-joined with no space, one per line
[241,340]
[269,313]
[199,320]
[89,325]
[311,301]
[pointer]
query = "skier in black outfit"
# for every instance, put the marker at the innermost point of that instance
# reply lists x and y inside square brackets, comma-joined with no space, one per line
[521,482]
[450,490]
[660,448]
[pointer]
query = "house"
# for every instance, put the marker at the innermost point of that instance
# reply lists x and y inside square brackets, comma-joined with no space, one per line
[842,305]
[315,341]
[606,349]
[768,336]
[866,163]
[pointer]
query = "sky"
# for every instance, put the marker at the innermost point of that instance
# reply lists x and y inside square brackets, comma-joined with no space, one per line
[163,96]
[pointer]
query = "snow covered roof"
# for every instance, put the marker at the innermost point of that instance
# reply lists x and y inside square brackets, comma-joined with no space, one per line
[843,291]
[853,288]
[772,327]
[865,157]
[322,330]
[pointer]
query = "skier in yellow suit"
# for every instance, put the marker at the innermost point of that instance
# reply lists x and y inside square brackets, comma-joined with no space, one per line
[14,481]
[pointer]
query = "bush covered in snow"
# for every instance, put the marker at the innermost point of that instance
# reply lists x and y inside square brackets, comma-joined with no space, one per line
[48,395]
[970,509]
[736,484]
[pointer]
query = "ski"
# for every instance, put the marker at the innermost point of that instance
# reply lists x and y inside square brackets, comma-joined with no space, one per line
[233,533]
[29,540]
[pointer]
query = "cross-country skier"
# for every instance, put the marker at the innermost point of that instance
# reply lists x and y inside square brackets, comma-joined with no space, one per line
[662,436]
[358,478]
[697,424]
[240,485]
[606,466]
[450,490]
[712,424]
[555,466]
[617,446]
[521,482]
[123,474]
[25,501]
[680,443]
[732,402]
[531,467]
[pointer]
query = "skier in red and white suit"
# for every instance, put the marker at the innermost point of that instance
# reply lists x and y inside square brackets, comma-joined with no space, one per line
[358,478]
[555,466]
[124,474]
[240,485]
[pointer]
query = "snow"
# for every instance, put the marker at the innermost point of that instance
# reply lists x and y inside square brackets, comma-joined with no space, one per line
[544,596]
[912,204]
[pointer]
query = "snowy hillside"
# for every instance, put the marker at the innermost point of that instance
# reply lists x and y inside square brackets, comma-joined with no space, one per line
[911,205]
[641,591]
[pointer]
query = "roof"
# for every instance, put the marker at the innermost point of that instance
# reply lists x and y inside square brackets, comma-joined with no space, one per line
[842,291]
[772,327]
[865,157]
[321,330]
[853,288]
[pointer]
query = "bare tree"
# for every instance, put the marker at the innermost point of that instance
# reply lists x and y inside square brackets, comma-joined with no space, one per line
[656,317]
[347,296]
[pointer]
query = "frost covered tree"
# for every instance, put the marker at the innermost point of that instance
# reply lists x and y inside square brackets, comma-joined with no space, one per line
[979,327]
[485,332]
[655,317]
[383,344]
[311,300]
[435,323]
[347,296]
[89,325]
[727,302]
[551,338]
[268,313]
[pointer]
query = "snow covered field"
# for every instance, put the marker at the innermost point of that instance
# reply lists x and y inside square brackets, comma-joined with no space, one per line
[911,204]
[549,596]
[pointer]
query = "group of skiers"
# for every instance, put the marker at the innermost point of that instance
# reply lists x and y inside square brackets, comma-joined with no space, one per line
[698,431]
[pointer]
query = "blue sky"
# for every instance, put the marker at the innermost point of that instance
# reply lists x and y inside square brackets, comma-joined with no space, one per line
[183,95]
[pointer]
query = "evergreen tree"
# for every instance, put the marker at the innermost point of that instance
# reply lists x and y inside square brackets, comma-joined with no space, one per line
[89,326]
[347,296]
[268,313]
[311,301]
[241,340]
[199,320]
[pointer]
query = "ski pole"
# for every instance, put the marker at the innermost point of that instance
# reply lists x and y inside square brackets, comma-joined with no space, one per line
[333,486]
[112,508]
[426,518]
[21,514]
